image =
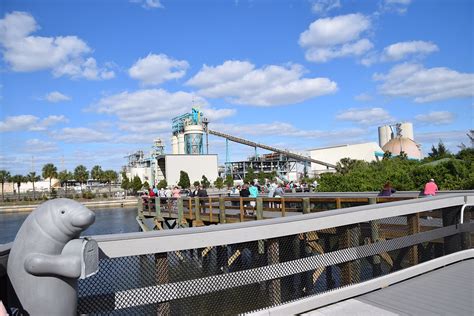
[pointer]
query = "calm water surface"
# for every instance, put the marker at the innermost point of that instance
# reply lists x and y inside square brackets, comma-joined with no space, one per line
[107,221]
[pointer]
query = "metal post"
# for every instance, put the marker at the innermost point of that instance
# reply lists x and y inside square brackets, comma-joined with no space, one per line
[273,257]
[413,221]
[162,277]
[375,235]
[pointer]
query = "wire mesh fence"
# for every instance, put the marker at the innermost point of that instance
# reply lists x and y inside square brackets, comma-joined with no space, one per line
[248,276]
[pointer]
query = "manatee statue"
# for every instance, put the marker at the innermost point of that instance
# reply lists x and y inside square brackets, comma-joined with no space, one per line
[45,259]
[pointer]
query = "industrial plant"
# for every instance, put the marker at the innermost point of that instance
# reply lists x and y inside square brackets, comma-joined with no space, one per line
[190,153]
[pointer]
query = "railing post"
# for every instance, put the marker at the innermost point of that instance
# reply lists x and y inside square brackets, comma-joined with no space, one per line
[241,210]
[349,237]
[306,206]
[162,277]
[375,236]
[197,212]
[450,217]
[181,220]
[158,207]
[413,221]
[260,243]
[273,257]
[222,210]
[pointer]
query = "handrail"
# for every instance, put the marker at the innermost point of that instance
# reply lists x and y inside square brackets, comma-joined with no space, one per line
[129,244]
[461,220]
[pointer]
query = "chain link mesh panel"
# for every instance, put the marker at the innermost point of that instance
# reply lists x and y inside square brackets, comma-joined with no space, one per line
[243,277]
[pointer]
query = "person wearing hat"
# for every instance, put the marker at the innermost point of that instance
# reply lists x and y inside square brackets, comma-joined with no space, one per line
[430,188]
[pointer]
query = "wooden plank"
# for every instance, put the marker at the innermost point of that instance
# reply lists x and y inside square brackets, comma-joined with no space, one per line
[413,228]
[210,209]
[222,217]
[241,210]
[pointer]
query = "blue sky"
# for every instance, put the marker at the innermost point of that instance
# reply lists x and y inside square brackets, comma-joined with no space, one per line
[87,82]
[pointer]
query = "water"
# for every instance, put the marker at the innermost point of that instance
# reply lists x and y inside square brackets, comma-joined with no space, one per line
[107,221]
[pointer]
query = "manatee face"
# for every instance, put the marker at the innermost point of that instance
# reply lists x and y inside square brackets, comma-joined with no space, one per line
[63,219]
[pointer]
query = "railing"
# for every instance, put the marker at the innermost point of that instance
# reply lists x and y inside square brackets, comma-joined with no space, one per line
[250,266]
[254,266]
[195,211]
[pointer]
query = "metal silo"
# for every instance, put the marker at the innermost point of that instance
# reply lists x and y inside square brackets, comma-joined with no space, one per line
[385,135]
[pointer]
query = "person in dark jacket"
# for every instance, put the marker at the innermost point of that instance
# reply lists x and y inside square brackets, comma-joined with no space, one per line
[387,189]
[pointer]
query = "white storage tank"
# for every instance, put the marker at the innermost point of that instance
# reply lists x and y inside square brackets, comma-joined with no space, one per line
[174,144]
[181,144]
[193,139]
[406,130]
[385,135]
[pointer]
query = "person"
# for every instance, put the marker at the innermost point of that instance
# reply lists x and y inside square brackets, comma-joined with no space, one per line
[271,189]
[387,189]
[155,190]
[279,192]
[430,188]
[194,192]
[202,193]
[151,193]
[176,193]
[253,190]
[245,191]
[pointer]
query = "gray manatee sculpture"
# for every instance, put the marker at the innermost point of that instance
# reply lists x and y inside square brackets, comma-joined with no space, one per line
[46,257]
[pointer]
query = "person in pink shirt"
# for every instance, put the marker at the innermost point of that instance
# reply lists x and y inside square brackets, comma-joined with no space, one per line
[176,193]
[431,188]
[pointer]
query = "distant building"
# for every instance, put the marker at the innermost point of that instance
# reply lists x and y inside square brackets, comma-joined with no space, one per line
[399,138]
[366,152]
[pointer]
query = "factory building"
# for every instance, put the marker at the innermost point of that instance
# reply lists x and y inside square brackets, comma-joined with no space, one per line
[393,139]
[366,152]
[187,142]
[399,138]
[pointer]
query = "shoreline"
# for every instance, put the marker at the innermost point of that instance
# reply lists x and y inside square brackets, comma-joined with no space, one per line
[125,203]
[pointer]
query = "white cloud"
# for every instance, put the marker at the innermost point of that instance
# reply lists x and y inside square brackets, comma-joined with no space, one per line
[149,4]
[81,135]
[436,117]
[218,114]
[283,129]
[155,69]
[363,97]
[39,146]
[63,55]
[322,7]
[56,96]
[147,105]
[240,83]
[17,123]
[399,6]
[425,85]
[29,123]
[435,137]
[401,50]
[368,116]
[335,37]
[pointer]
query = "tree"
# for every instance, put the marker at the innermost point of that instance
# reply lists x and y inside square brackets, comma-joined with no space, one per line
[219,183]
[184,180]
[50,171]
[81,174]
[146,185]
[162,184]
[18,179]
[4,177]
[32,177]
[97,173]
[261,176]
[229,181]
[109,176]
[136,184]
[439,152]
[125,181]
[249,175]
[205,182]
[64,176]
[196,183]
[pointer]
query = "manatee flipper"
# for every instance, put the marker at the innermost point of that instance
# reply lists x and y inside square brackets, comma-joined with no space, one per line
[68,266]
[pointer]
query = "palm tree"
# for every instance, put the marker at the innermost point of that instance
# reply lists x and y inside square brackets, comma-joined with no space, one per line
[97,173]
[64,176]
[81,174]
[50,171]
[32,177]
[18,179]
[4,177]
[109,177]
